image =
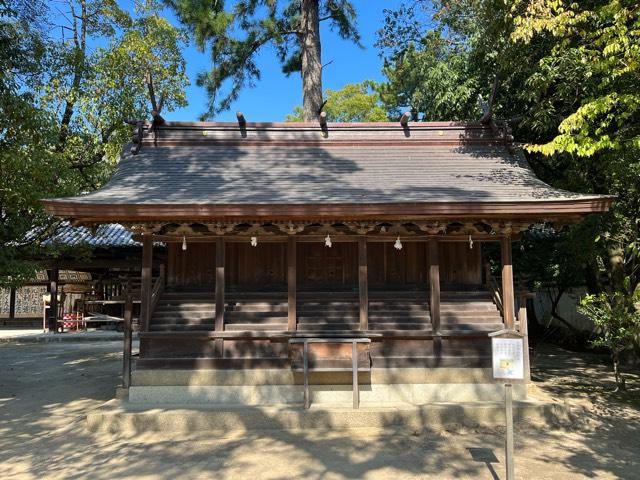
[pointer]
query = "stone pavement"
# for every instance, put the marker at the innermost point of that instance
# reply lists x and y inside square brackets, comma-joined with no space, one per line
[46,389]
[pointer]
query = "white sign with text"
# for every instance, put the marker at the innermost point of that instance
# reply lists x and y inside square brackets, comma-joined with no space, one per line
[508,358]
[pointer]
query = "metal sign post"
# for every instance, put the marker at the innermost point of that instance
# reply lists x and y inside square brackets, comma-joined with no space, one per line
[507,348]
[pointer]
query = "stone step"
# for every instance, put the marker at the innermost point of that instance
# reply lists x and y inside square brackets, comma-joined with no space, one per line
[126,418]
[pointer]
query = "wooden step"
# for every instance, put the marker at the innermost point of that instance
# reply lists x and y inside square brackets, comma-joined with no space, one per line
[393,326]
[255,321]
[183,321]
[319,327]
[253,316]
[180,327]
[276,327]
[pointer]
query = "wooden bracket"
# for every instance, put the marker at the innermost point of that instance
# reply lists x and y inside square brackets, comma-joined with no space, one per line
[404,121]
[323,123]
[242,123]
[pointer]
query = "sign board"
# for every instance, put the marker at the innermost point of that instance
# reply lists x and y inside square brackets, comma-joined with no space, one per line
[508,358]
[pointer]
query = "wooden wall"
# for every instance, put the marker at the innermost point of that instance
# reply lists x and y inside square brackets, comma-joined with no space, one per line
[256,268]
[397,269]
[459,264]
[324,268]
[194,267]
[321,268]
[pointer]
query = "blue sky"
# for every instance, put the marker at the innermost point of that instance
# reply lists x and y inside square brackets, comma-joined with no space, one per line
[276,95]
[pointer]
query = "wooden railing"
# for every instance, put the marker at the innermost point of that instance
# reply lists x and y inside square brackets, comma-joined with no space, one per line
[156,291]
[494,287]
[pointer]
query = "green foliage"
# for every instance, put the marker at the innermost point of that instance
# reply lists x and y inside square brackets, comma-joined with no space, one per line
[595,61]
[591,74]
[236,34]
[431,80]
[566,77]
[63,107]
[440,55]
[355,102]
[617,319]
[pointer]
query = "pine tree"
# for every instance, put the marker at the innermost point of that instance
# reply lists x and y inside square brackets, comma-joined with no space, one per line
[236,33]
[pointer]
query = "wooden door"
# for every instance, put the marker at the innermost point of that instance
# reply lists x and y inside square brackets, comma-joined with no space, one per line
[327,268]
[460,266]
[193,268]
[261,268]
[391,269]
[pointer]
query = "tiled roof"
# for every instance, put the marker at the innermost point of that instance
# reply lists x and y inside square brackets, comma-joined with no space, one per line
[105,236]
[458,163]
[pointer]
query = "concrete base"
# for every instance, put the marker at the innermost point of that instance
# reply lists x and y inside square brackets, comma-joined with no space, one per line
[281,376]
[263,387]
[373,394]
[124,418]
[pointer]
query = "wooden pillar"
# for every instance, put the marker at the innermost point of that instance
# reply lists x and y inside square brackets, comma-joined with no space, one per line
[434,284]
[434,297]
[126,358]
[507,283]
[12,303]
[292,274]
[363,286]
[53,301]
[219,319]
[524,330]
[145,282]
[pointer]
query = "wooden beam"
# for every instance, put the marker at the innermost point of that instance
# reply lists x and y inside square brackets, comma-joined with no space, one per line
[322,118]
[219,319]
[363,286]
[552,210]
[53,301]
[12,303]
[434,284]
[292,273]
[145,282]
[507,283]
[323,124]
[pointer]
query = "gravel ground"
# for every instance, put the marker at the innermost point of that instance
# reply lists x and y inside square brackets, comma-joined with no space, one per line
[46,389]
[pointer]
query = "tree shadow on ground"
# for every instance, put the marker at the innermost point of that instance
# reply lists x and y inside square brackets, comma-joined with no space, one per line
[47,389]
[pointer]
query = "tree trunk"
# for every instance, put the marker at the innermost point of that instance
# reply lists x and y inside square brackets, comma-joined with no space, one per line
[621,384]
[79,60]
[311,60]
